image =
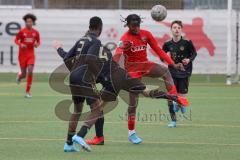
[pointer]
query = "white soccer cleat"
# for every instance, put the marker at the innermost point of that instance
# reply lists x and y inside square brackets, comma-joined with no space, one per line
[28,95]
[79,140]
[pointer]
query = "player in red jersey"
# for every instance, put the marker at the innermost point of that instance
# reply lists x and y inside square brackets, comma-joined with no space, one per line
[133,45]
[27,39]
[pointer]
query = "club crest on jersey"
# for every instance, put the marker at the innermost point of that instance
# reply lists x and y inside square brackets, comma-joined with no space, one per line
[144,39]
[182,48]
[120,44]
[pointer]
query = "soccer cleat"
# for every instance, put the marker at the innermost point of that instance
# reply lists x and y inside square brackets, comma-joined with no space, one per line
[183,109]
[96,141]
[160,94]
[70,148]
[134,138]
[182,101]
[80,141]
[175,107]
[172,124]
[28,95]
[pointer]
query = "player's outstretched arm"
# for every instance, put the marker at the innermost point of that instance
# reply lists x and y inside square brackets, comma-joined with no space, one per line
[58,46]
[154,45]
[62,53]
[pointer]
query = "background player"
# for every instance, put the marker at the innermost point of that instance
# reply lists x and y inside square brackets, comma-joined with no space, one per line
[27,38]
[181,51]
[133,45]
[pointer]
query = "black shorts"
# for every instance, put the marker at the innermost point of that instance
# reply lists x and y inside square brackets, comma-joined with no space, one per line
[181,84]
[82,86]
[120,80]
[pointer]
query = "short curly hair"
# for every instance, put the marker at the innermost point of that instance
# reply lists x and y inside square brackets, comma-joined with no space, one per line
[31,16]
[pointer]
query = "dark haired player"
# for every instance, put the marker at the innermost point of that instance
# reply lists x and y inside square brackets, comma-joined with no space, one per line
[181,51]
[27,39]
[89,63]
[133,46]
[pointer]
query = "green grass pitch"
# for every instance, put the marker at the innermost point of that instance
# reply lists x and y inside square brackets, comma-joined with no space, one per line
[30,130]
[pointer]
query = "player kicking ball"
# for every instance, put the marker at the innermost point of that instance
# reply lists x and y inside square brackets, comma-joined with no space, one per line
[27,39]
[133,46]
[91,63]
[181,51]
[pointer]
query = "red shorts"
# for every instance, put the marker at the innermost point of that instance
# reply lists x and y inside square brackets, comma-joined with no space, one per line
[139,69]
[24,61]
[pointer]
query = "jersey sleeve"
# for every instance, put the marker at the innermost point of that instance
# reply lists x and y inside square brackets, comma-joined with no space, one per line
[154,45]
[165,48]
[119,50]
[18,38]
[193,52]
[38,38]
[66,55]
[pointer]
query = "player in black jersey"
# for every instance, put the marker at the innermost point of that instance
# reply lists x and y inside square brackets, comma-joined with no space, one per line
[89,63]
[181,51]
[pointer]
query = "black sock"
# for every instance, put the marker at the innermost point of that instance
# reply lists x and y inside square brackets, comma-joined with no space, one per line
[83,131]
[172,113]
[69,138]
[99,127]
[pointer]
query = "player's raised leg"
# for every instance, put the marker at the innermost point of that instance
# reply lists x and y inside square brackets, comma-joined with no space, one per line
[160,71]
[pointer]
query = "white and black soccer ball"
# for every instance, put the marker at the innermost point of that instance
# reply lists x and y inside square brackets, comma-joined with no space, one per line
[158,12]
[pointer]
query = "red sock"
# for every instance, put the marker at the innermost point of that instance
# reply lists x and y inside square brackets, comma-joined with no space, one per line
[131,122]
[172,89]
[29,83]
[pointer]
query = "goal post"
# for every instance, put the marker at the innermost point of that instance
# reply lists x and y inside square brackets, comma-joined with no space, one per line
[229,43]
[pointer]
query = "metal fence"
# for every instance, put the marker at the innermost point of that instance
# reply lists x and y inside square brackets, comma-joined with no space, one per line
[123,4]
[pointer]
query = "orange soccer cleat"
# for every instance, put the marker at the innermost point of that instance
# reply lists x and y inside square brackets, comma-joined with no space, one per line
[96,141]
[182,101]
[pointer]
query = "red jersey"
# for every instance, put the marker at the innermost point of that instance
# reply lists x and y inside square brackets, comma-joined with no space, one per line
[28,38]
[138,50]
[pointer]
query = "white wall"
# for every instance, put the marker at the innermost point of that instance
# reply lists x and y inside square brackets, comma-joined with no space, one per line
[69,25]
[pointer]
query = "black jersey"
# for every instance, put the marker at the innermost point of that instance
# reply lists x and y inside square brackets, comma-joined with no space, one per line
[179,51]
[89,50]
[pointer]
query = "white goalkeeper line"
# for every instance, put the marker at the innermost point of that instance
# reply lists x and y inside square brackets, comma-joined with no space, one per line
[138,123]
[121,141]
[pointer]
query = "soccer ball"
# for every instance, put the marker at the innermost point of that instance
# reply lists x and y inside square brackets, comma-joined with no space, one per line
[158,12]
